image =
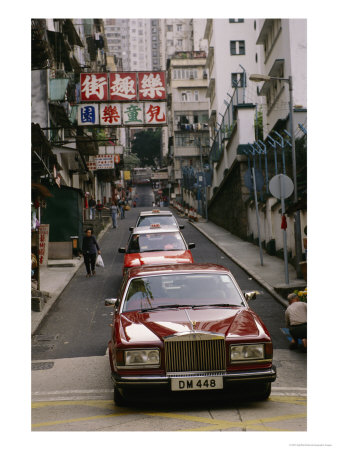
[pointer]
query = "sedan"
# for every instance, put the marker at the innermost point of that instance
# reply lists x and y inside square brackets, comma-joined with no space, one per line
[155,216]
[156,245]
[187,327]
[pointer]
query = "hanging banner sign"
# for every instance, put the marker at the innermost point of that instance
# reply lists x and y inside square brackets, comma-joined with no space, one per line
[151,86]
[88,114]
[110,114]
[43,244]
[94,86]
[128,114]
[122,86]
[155,113]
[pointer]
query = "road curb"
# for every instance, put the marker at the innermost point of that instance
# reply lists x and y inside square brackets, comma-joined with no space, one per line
[254,275]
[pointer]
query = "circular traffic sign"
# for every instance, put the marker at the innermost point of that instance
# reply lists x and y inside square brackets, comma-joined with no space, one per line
[281,186]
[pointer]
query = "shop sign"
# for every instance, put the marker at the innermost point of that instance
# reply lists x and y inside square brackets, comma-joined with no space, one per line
[43,244]
[88,114]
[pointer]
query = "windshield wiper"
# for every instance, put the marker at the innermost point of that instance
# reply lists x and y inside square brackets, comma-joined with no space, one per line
[221,305]
[165,306]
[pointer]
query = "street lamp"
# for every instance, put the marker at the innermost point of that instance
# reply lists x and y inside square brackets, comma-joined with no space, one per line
[298,243]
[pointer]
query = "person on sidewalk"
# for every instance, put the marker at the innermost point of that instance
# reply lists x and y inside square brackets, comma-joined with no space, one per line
[114,211]
[296,321]
[92,206]
[89,247]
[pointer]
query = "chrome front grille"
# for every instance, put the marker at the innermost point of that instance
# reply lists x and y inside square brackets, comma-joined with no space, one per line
[203,354]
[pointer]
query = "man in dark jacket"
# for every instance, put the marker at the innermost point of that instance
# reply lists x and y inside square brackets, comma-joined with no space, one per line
[89,247]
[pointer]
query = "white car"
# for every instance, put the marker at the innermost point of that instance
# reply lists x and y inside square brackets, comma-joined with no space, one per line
[156,216]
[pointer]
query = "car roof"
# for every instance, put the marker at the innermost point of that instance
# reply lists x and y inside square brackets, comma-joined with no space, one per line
[167,269]
[156,212]
[160,229]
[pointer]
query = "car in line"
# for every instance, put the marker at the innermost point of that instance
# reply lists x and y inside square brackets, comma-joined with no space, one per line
[156,244]
[186,327]
[155,216]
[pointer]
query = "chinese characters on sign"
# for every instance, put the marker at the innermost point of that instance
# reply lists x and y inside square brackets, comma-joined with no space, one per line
[100,162]
[151,86]
[122,86]
[43,244]
[94,86]
[145,113]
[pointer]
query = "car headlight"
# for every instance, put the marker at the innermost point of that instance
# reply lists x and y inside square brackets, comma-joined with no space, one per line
[248,352]
[142,357]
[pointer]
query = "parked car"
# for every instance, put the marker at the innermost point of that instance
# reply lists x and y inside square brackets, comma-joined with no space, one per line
[155,216]
[156,245]
[186,327]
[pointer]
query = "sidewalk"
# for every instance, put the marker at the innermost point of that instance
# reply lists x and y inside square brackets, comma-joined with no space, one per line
[54,278]
[271,275]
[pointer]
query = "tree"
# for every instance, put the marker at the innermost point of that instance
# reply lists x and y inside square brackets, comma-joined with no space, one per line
[147,146]
[131,161]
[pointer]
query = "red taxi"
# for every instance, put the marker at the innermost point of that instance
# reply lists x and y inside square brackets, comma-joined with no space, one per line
[156,245]
[187,327]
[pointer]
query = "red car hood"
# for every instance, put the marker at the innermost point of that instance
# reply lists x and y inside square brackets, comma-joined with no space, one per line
[158,258]
[152,326]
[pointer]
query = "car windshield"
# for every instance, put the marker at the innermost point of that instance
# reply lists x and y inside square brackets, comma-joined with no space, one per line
[152,242]
[146,221]
[188,290]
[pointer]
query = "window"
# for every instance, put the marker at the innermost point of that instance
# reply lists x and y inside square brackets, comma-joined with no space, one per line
[238,80]
[179,42]
[169,28]
[179,27]
[237,47]
[196,96]
[236,20]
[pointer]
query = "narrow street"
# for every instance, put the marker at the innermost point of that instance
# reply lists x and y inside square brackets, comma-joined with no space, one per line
[71,374]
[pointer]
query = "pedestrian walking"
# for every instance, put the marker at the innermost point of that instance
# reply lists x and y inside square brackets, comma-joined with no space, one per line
[121,206]
[92,206]
[114,212]
[296,321]
[89,247]
[99,208]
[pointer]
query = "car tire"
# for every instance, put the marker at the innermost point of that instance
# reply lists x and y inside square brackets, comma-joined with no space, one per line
[263,391]
[119,399]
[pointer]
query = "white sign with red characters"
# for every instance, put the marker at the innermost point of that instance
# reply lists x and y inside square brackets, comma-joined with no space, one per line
[110,114]
[155,113]
[123,86]
[43,244]
[94,87]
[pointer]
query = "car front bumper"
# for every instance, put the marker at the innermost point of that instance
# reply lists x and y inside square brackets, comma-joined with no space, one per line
[238,377]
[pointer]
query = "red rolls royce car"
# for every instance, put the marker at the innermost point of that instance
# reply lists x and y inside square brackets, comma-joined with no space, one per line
[187,327]
[156,245]
[155,216]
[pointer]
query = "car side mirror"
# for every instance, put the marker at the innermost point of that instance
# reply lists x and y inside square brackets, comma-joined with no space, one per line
[122,250]
[181,227]
[131,228]
[250,295]
[110,301]
[191,245]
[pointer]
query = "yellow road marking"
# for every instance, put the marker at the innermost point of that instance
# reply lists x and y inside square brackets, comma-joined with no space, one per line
[211,424]
[80,419]
[97,403]
[292,400]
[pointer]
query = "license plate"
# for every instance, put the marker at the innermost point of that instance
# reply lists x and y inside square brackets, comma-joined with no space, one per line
[196,384]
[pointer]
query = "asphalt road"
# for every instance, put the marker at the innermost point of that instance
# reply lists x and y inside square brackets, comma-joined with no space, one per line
[78,323]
